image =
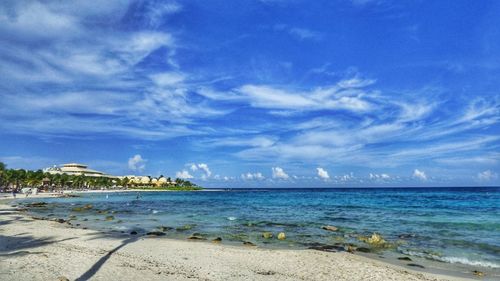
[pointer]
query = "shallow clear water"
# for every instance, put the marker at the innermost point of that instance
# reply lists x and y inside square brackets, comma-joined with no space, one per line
[452,225]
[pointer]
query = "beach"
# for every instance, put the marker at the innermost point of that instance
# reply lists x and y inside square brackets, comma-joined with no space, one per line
[33,249]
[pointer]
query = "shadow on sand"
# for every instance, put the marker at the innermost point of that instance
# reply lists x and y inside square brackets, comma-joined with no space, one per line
[93,270]
[21,243]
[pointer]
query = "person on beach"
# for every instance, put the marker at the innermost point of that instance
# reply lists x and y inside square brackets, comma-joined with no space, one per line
[14,193]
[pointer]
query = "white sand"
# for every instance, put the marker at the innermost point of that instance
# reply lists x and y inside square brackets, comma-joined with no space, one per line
[45,250]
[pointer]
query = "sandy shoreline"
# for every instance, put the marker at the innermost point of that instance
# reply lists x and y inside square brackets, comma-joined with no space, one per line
[46,250]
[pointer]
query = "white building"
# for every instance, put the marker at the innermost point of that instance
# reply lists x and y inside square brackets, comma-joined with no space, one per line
[76,170]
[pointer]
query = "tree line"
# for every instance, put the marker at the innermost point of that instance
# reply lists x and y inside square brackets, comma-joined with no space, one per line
[17,179]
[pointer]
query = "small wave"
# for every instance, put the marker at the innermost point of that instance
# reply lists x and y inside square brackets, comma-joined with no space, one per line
[155,211]
[231,218]
[460,260]
[466,261]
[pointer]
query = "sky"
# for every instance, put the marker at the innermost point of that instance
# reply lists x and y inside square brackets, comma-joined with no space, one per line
[250,93]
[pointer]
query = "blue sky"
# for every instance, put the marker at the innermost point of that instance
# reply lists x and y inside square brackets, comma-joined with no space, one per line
[255,93]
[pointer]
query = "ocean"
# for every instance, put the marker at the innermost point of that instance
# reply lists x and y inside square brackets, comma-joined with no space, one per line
[456,228]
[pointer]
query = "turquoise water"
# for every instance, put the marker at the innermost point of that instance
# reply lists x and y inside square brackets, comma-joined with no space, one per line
[453,225]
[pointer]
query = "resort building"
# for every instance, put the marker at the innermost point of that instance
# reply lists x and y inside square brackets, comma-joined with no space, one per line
[77,170]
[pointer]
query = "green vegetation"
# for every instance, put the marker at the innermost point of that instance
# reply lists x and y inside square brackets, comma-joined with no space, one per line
[15,179]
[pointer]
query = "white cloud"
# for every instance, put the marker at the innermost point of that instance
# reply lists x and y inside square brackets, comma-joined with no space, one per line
[487,175]
[419,175]
[322,173]
[379,176]
[346,177]
[204,167]
[193,167]
[184,174]
[136,163]
[252,176]
[279,173]
[201,167]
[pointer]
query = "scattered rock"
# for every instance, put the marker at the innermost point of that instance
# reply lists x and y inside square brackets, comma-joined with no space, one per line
[156,233]
[350,249]
[62,278]
[326,248]
[416,265]
[165,228]
[478,273]
[85,219]
[404,259]
[330,228]
[60,220]
[39,218]
[72,217]
[103,212]
[363,250]
[406,235]
[36,204]
[133,232]
[248,243]
[374,240]
[281,236]
[217,240]
[197,236]
[110,218]
[267,235]
[88,207]
[184,227]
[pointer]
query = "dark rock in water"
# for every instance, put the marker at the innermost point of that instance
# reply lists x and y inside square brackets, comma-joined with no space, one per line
[217,240]
[406,236]
[165,228]
[36,204]
[155,233]
[72,217]
[330,228]
[85,219]
[248,243]
[363,250]
[196,236]
[60,220]
[133,232]
[39,218]
[326,248]
[184,227]
[110,218]
[416,265]
[478,273]
[404,259]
